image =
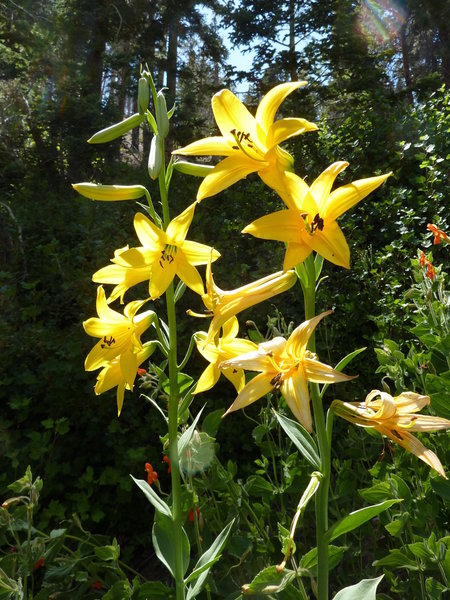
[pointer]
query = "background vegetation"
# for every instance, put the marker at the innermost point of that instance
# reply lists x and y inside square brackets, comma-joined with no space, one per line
[378,76]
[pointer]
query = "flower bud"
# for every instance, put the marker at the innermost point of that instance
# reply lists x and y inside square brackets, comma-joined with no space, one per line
[162,117]
[116,130]
[195,169]
[96,191]
[155,158]
[143,96]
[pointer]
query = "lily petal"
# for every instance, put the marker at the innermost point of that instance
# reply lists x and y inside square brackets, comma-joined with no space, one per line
[295,392]
[295,254]
[267,109]
[331,244]
[149,235]
[178,227]
[282,226]
[160,278]
[298,340]
[318,372]
[199,254]
[254,390]
[231,114]
[343,198]
[189,274]
[207,379]
[224,174]
[321,187]
[284,129]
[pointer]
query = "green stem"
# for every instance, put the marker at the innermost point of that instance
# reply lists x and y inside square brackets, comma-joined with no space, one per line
[173,412]
[321,500]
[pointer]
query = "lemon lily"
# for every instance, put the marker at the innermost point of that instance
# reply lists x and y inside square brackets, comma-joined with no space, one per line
[119,337]
[396,417]
[163,255]
[228,346]
[112,375]
[222,305]
[309,222]
[285,365]
[250,144]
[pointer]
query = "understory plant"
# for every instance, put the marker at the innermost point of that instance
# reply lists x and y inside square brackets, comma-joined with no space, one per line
[285,369]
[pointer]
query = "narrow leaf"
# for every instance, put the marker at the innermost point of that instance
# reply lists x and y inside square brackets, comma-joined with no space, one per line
[366,588]
[153,497]
[357,518]
[162,537]
[186,437]
[342,364]
[205,562]
[301,439]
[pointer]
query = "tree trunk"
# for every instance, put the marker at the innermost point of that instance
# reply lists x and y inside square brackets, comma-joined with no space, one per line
[405,64]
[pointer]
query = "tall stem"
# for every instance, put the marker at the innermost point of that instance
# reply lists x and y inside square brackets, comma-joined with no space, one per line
[173,412]
[321,500]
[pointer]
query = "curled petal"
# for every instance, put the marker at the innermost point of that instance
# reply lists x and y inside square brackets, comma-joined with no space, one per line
[254,390]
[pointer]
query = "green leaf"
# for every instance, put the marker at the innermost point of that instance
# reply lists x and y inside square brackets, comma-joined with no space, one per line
[357,518]
[154,590]
[309,560]
[116,130]
[366,588]
[162,537]
[301,439]
[185,438]
[153,497]
[441,487]
[258,486]
[106,553]
[201,570]
[397,559]
[212,422]
[269,581]
[342,364]
[120,591]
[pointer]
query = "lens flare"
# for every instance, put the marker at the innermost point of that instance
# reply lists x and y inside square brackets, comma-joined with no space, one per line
[380,21]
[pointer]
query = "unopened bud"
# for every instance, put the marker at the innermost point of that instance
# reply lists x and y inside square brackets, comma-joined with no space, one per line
[155,158]
[162,117]
[195,169]
[116,130]
[143,95]
[96,191]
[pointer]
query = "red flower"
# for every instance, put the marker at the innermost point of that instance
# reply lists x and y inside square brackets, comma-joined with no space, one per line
[96,585]
[40,563]
[152,475]
[141,372]
[439,235]
[166,459]
[191,514]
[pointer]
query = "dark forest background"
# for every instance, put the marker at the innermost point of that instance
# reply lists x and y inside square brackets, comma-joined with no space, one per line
[378,90]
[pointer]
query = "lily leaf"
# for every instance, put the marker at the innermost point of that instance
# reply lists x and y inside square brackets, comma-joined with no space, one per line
[162,537]
[153,497]
[301,438]
[205,562]
[357,518]
[366,588]
[342,364]
[186,437]
[269,581]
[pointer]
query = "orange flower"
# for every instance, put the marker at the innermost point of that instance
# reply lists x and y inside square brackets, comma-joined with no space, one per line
[431,274]
[40,563]
[166,459]
[439,235]
[141,372]
[152,475]
[422,259]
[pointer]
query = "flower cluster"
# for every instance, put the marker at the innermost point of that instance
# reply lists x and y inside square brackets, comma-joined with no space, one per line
[307,224]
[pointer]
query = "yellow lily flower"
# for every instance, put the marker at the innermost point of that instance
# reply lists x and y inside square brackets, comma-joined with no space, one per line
[285,365]
[222,305]
[228,346]
[119,334]
[309,222]
[112,376]
[249,143]
[395,417]
[163,255]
